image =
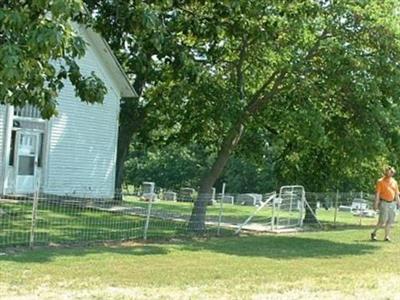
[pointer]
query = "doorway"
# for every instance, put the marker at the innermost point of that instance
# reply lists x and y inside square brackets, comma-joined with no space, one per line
[27,148]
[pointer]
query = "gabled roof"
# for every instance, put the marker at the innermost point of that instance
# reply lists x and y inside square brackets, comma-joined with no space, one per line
[116,72]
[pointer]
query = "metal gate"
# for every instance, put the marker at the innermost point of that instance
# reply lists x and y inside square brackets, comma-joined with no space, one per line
[289,207]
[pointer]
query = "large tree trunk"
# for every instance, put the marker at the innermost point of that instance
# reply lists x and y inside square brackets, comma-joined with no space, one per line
[131,119]
[127,129]
[309,217]
[197,219]
[258,102]
[125,135]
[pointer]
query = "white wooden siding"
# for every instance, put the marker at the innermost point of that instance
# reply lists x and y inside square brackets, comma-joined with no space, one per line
[2,128]
[82,140]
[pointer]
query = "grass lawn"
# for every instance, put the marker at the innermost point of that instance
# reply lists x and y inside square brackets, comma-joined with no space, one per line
[341,264]
[239,213]
[63,224]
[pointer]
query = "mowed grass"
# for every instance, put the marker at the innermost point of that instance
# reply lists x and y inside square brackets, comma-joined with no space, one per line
[239,213]
[65,224]
[317,265]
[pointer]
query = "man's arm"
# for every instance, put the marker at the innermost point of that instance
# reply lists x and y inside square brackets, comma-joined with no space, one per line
[377,197]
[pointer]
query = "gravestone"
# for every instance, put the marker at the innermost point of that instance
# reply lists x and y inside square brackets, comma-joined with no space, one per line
[249,199]
[169,196]
[213,194]
[148,191]
[359,204]
[345,208]
[186,195]
[228,199]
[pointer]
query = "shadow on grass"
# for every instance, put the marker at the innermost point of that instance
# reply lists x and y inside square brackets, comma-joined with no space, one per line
[329,226]
[271,246]
[42,255]
[282,247]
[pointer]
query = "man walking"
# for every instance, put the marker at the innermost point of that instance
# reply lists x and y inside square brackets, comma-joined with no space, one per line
[387,195]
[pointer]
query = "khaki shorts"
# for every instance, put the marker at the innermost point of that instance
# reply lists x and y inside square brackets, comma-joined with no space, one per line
[387,212]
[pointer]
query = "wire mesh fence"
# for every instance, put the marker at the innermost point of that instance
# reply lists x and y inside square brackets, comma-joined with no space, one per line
[41,219]
[344,209]
[58,221]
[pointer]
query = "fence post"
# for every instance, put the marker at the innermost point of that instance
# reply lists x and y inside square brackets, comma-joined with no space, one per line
[34,209]
[221,208]
[146,225]
[336,208]
[361,209]
[273,214]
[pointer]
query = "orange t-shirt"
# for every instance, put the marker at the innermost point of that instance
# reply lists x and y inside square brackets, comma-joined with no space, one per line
[387,188]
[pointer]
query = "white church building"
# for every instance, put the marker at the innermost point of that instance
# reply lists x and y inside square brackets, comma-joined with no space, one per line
[74,153]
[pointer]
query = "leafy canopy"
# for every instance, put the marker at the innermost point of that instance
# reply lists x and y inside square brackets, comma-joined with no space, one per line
[39,47]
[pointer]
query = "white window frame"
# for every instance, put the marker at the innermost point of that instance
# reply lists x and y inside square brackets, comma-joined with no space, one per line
[28,112]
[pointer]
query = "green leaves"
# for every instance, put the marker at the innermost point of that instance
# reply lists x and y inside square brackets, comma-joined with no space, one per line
[322,78]
[33,40]
[89,89]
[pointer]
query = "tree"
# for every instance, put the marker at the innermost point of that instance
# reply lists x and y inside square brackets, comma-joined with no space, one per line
[153,43]
[289,67]
[310,57]
[171,166]
[142,36]
[38,50]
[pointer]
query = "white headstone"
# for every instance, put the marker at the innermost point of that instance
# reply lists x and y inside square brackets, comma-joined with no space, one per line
[148,191]
[169,196]
[249,199]
[228,199]
[186,195]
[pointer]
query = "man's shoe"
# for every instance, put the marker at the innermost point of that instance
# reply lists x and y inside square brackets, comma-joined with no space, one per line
[387,239]
[373,237]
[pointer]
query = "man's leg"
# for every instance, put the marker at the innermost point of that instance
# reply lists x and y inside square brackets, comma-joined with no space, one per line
[390,221]
[388,228]
[383,220]
[373,234]
[378,225]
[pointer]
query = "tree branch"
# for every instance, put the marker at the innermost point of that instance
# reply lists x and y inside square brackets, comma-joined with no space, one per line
[258,100]
[239,68]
